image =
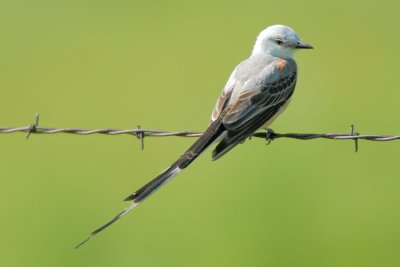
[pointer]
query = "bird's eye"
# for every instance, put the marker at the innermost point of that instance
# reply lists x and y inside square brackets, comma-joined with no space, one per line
[279,41]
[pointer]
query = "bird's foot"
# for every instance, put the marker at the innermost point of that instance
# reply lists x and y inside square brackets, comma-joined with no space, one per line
[269,135]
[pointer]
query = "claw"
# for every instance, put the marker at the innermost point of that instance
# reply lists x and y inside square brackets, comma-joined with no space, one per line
[269,135]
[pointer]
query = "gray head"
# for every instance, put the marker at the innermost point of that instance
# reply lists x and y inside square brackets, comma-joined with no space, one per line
[279,41]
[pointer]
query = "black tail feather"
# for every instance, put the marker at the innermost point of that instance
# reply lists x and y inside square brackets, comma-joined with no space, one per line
[116,218]
[149,188]
[209,136]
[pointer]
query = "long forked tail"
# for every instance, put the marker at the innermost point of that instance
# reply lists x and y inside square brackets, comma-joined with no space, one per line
[209,136]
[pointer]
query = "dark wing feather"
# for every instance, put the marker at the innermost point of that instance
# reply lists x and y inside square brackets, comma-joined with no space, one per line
[221,103]
[269,100]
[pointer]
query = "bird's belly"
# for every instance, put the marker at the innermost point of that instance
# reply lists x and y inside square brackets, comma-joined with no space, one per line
[270,121]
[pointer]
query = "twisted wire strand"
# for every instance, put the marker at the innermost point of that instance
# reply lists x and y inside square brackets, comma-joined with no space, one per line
[32,129]
[142,133]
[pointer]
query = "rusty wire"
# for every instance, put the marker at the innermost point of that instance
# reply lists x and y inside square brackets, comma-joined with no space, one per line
[142,133]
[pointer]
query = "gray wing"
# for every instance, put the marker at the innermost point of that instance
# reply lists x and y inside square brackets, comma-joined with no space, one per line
[257,102]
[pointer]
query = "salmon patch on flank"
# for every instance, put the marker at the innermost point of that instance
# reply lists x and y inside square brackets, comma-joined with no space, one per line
[281,64]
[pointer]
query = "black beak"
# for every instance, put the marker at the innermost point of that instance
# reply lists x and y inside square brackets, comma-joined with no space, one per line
[303,45]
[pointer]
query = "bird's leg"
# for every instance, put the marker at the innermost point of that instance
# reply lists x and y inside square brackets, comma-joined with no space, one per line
[269,135]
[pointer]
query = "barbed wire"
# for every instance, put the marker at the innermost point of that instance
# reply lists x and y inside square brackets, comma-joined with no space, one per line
[142,133]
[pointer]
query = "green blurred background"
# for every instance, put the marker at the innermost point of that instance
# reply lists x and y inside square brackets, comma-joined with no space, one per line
[162,64]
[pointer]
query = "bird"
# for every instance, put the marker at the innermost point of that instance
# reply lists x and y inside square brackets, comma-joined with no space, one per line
[257,91]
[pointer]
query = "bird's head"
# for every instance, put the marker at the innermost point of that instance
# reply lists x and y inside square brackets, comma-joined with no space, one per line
[279,41]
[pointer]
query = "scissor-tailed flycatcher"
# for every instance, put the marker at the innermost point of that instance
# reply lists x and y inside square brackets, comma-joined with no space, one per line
[257,91]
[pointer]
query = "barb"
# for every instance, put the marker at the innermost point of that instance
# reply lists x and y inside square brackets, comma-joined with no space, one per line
[33,127]
[353,133]
[142,133]
[140,136]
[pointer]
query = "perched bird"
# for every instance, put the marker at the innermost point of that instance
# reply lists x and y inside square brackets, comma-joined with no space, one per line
[257,91]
